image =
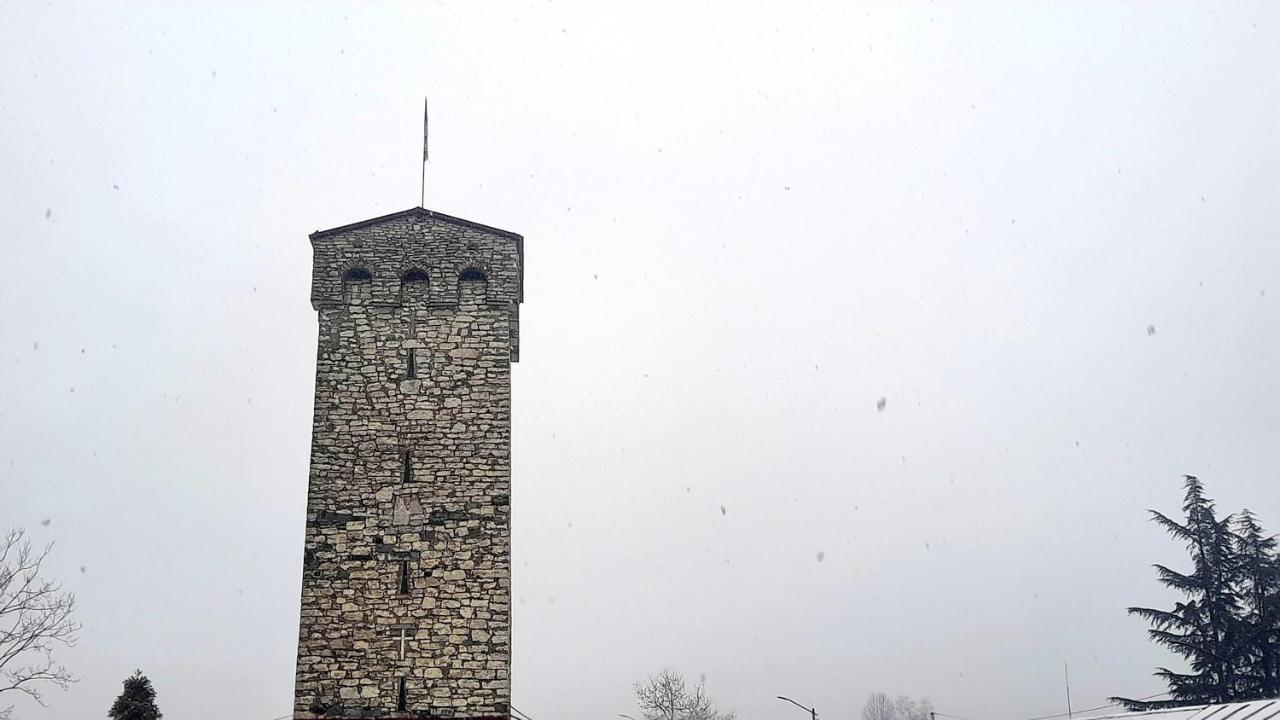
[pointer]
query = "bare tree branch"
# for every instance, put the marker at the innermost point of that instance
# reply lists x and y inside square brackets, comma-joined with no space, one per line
[667,696]
[880,707]
[35,615]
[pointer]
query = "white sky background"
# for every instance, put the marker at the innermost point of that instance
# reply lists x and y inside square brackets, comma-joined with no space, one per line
[744,225]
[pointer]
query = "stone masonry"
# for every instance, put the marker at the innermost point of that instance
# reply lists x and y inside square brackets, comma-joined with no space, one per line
[406,586]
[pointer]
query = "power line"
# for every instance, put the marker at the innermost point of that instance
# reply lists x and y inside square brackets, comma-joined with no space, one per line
[1057,715]
[1100,707]
[1077,712]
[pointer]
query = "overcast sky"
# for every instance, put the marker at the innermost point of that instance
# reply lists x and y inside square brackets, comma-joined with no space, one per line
[1046,235]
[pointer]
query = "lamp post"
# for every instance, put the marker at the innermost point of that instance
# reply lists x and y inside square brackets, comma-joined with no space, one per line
[624,715]
[813,713]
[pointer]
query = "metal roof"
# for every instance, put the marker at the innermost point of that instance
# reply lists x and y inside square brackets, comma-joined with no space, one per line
[1252,710]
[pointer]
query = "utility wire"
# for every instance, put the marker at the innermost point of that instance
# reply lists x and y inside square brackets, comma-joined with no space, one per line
[1077,712]
[1057,715]
[1100,707]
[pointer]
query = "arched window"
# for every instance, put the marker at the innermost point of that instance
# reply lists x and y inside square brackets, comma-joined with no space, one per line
[413,285]
[473,286]
[357,286]
[415,277]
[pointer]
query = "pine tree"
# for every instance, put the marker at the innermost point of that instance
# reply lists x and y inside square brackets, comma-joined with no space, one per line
[137,702]
[1207,628]
[1259,588]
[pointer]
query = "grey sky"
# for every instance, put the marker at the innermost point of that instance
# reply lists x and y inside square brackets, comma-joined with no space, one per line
[745,224]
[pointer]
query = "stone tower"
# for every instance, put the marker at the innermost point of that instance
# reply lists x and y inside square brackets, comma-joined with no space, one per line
[406,595]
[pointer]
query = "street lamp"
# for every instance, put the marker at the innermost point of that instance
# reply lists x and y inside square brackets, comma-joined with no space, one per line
[624,715]
[813,714]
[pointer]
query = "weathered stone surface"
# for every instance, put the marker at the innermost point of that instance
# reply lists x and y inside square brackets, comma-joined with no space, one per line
[408,507]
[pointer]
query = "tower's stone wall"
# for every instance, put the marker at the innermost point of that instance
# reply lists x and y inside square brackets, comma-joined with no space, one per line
[408,510]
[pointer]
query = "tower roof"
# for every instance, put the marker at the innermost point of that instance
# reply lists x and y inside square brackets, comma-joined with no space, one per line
[419,212]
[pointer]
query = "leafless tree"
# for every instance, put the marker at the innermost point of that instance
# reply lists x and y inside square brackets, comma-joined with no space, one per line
[35,615]
[908,709]
[880,707]
[668,696]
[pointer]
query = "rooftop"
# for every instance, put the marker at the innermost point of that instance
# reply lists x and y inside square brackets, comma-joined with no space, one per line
[416,212]
[1252,710]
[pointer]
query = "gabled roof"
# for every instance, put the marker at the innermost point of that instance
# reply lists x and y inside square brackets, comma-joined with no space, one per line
[1252,710]
[418,212]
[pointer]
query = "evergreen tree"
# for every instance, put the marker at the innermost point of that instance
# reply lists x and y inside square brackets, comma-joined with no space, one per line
[137,702]
[1259,588]
[1206,629]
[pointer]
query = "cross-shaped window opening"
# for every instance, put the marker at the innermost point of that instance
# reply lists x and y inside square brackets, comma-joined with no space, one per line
[404,635]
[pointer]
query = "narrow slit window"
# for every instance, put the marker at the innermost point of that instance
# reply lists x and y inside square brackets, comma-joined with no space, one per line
[402,697]
[404,577]
[407,472]
[413,365]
